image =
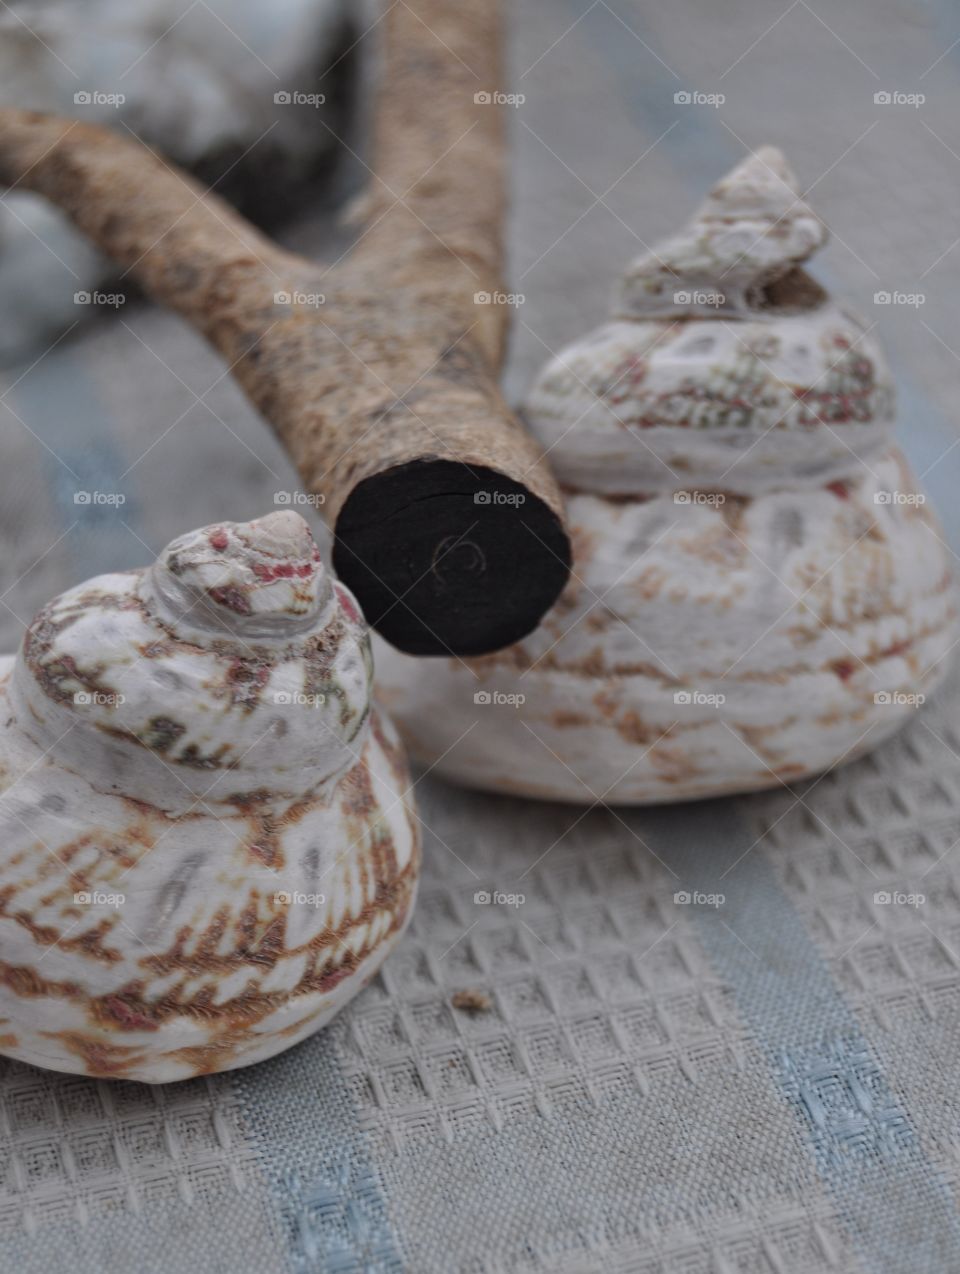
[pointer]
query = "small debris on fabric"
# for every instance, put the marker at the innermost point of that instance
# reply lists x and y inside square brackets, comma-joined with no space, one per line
[472,1001]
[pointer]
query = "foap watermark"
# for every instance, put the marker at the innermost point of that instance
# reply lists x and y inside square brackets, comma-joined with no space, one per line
[712,498]
[893,97]
[113,299]
[712,299]
[912,299]
[500,497]
[498,298]
[898,898]
[499,698]
[98,699]
[94,97]
[694,898]
[693,97]
[899,497]
[295,898]
[899,698]
[293,97]
[497,898]
[115,498]
[496,98]
[99,898]
[699,698]
[300,698]
[313,498]
[311,299]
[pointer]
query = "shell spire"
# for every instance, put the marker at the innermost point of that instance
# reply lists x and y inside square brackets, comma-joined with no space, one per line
[739,256]
[726,366]
[262,578]
[230,666]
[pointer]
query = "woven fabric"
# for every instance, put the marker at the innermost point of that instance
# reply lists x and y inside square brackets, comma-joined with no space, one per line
[652,1085]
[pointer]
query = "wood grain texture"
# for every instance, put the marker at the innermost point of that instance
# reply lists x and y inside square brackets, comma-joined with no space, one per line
[386,362]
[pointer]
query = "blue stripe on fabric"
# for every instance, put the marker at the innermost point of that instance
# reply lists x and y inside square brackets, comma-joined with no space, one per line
[893,1202]
[329,1200]
[60,403]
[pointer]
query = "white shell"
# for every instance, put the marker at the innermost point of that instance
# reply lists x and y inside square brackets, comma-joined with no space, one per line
[208,846]
[760,590]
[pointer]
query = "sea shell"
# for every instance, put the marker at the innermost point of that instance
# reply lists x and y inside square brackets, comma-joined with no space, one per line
[760,590]
[208,841]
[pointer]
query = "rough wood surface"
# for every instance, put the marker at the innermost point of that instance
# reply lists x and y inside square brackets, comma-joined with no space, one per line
[386,362]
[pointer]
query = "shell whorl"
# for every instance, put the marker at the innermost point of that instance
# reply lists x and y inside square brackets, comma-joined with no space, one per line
[726,366]
[752,233]
[231,670]
[254,579]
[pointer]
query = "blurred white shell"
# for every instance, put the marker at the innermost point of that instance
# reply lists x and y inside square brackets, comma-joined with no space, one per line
[195,86]
[760,590]
[208,846]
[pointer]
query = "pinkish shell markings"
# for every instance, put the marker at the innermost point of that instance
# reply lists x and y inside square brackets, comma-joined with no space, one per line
[214,845]
[751,601]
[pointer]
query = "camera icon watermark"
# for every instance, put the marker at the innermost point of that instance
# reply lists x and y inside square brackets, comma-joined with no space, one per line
[899,698]
[692,97]
[293,97]
[298,697]
[94,97]
[899,497]
[895,98]
[695,898]
[99,898]
[484,697]
[312,498]
[912,299]
[516,498]
[708,300]
[898,898]
[497,898]
[113,498]
[112,299]
[713,499]
[98,699]
[499,298]
[296,898]
[701,698]
[496,98]
[312,300]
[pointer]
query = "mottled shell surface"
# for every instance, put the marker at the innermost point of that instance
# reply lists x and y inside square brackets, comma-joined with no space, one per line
[208,843]
[760,590]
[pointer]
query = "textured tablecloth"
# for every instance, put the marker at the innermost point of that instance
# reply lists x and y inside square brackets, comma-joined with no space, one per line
[766,1087]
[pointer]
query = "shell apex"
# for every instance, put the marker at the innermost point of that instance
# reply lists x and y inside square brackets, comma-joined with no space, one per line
[261,578]
[754,230]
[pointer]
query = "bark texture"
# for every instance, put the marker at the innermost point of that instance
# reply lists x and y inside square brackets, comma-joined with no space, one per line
[449,525]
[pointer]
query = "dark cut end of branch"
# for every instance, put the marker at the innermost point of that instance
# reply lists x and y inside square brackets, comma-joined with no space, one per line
[450,558]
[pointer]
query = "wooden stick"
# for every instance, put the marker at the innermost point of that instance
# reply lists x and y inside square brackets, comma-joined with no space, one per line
[448,524]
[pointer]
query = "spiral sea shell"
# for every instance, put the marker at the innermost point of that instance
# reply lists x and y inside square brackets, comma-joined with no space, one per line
[760,590]
[208,845]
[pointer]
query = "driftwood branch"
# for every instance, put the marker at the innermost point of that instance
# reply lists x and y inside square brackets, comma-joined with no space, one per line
[448,524]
